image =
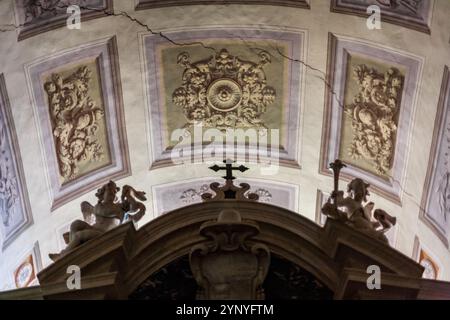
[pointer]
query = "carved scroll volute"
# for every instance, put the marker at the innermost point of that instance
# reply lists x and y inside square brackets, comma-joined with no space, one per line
[230,265]
[230,191]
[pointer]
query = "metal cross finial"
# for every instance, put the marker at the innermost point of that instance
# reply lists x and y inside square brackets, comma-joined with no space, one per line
[229,169]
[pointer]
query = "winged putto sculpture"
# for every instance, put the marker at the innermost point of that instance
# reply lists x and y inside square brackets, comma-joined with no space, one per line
[108,213]
[354,210]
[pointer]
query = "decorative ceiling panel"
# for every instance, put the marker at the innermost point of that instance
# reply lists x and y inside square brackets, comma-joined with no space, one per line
[414,14]
[369,112]
[15,209]
[171,196]
[78,102]
[147,4]
[436,197]
[224,79]
[35,17]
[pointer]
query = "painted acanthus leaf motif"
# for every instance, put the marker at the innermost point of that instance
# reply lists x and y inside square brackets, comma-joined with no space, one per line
[192,195]
[75,120]
[9,194]
[374,114]
[263,194]
[224,90]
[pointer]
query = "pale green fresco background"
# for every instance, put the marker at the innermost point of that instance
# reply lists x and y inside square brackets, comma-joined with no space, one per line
[276,74]
[95,92]
[351,91]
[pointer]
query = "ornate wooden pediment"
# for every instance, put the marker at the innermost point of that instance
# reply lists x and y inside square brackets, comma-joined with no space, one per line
[119,263]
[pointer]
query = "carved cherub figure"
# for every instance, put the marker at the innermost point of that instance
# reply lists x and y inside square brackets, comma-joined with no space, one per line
[353,211]
[104,216]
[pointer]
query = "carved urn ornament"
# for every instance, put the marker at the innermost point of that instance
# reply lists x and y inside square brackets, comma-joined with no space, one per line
[230,265]
[224,91]
[354,210]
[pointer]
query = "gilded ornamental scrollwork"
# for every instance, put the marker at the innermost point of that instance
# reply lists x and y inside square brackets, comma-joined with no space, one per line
[75,119]
[374,113]
[224,90]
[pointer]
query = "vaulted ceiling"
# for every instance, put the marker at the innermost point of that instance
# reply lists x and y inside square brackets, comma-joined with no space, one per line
[121,98]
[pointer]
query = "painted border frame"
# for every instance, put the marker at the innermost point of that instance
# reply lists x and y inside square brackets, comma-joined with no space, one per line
[444,101]
[28,221]
[390,17]
[27,31]
[149,4]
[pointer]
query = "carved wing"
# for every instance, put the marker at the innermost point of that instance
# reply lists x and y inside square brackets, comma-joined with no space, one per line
[88,212]
[368,208]
[385,219]
[140,195]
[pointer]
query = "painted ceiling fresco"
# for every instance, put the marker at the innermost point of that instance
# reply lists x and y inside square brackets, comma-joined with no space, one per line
[224,78]
[369,112]
[436,197]
[15,210]
[78,101]
[415,14]
[36,16]
[223,82]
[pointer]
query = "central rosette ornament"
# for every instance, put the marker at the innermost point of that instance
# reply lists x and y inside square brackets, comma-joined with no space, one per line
[224,95]
[224,91]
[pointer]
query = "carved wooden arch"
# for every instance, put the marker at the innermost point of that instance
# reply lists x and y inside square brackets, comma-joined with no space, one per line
[323,252]
[116,263]
[281,230]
